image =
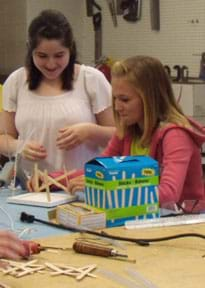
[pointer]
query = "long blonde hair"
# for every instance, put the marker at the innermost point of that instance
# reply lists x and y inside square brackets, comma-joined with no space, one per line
[151,81]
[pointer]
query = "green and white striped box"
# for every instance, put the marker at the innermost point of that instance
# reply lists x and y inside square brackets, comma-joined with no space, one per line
[125,188]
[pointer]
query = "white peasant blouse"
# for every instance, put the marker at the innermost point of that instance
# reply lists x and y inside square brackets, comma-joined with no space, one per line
[40,117]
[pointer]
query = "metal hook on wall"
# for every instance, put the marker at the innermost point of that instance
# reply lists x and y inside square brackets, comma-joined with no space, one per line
[90,5]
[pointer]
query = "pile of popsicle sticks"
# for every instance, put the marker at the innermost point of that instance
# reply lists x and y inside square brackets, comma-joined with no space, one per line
[19,269]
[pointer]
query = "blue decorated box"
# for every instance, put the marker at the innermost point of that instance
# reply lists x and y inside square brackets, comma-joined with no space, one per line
[126,188]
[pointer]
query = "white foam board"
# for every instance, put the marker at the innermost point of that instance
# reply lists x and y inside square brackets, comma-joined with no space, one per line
[40,199]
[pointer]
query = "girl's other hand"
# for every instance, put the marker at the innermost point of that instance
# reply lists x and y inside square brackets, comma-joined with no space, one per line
[34,151]
[71,136]
[77,184]
[31,183]
[11,247]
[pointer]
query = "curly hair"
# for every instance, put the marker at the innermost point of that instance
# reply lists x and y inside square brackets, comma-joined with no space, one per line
[50,24]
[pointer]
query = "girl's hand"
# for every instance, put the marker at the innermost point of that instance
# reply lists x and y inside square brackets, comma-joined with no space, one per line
[34,151]
[11,247]
[71,136]
[77,184]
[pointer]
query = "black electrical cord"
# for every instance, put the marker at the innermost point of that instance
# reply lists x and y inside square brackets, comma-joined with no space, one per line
[140,241]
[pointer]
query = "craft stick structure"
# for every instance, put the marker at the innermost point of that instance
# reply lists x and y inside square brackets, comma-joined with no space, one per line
[48,180]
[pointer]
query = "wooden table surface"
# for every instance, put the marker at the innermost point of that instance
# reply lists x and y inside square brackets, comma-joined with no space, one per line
[171,264]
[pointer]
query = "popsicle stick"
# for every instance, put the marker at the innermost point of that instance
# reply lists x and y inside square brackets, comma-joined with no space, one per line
[65,175]
[78,273]
[36,177]
[30,271]
[53,267]
[85,271]
[68,272]
[48,195]
[55,181]
[15,266]
[66,178]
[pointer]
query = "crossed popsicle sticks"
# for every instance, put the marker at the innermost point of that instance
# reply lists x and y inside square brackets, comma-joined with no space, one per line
[48,180]
[19,269]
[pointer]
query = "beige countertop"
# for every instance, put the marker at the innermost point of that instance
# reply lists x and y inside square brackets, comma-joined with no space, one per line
[170,264]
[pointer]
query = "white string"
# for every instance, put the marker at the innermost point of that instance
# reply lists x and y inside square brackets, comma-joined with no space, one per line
[9,217]
[26,230]
[23,231]
[20,146]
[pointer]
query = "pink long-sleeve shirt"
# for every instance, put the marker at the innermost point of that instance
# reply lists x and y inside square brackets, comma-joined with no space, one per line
[178,151]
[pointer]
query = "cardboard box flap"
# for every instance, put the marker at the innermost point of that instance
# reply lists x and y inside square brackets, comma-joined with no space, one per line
[116,161]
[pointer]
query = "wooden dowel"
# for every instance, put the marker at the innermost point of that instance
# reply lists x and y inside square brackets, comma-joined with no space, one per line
[36,178]
[48,195]
[65,175]
[66,178]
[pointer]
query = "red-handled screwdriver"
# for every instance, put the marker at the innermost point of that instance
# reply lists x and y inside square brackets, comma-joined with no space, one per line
[82,248]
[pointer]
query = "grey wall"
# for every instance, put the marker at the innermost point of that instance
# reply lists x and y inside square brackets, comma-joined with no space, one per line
[180,40]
